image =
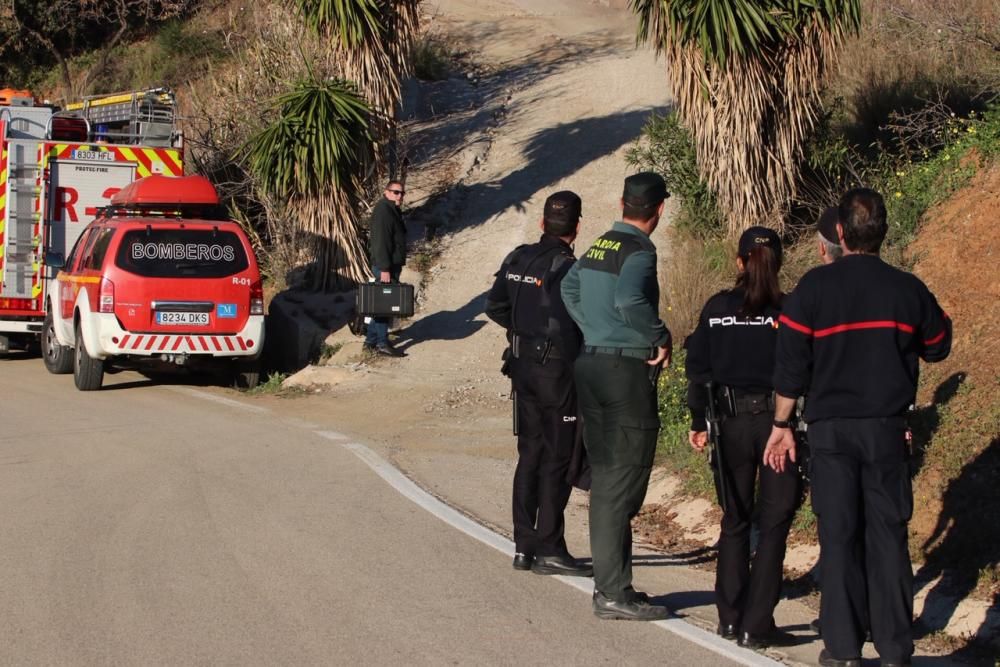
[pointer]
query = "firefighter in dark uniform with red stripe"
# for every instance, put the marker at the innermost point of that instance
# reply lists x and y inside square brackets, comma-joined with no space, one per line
[733,349]
[850,336]
[544,341]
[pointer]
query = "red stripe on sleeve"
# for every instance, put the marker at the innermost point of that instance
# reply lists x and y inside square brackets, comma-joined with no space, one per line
[873,324]
[936,339]
[801,328]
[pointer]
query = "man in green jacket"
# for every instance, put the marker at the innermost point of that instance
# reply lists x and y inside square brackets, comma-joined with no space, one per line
[387,244]
[613,296]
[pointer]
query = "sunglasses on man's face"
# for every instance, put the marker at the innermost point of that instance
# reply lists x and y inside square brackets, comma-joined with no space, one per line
[398,192]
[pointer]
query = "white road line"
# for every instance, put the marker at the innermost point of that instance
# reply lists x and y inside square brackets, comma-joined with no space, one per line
[456,519]
[452,517]
[239,405]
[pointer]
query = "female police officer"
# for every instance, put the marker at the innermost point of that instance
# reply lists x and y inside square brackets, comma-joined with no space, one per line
[730,361]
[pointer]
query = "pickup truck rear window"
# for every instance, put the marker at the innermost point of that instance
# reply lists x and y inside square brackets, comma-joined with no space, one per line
[181,253]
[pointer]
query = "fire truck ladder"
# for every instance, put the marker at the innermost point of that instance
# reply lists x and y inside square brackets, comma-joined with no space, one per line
[138,117]
[22,247]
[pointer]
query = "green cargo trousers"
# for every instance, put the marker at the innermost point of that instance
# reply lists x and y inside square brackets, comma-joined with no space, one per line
[620,426]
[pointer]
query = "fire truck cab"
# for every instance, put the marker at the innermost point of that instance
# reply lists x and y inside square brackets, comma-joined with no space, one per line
[57,168]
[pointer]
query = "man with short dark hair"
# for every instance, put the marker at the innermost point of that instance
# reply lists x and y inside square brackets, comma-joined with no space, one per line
[828,245]
[387,244]
[613,295]
[851,335]
[544,341]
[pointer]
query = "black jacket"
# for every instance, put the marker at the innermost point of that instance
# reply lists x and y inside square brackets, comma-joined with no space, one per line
[850,336]
[387,242]
[525,297]
[729,348]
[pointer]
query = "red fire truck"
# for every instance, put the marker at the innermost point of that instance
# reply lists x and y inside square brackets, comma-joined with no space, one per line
[56,168]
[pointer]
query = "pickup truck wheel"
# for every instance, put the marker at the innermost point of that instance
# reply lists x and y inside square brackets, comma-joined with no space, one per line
[246,375]
[88,373]
[58,358]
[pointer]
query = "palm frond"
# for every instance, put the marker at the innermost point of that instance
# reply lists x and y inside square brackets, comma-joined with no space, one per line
[746,77]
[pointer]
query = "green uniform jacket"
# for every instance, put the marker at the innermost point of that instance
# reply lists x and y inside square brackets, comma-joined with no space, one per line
[387,242]
[612,293]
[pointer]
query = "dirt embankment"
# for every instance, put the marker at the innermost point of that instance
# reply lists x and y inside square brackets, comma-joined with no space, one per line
[956,523]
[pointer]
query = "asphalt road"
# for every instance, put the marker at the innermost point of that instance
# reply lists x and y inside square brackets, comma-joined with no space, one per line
[165,524]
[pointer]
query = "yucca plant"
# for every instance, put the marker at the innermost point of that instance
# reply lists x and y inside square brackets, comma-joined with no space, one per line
[313,155]
[746,78]
[373,42]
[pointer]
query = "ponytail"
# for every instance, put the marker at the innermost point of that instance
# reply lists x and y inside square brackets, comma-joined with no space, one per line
[759,280]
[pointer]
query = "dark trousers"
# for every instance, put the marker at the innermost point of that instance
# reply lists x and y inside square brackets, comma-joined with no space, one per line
[859,469]
[747,591]
[546,415]
[620,426]
[378,328]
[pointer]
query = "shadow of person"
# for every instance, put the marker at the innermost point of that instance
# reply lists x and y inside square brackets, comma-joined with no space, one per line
[444,324]
[924,422]
[965,543]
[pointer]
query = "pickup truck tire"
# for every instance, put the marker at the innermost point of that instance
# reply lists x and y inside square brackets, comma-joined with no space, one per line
[58,358]
[246,375]
[88,373]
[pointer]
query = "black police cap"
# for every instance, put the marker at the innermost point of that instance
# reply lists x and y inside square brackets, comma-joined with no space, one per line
[563,207]
[759,236]
[644,189]
[827,225]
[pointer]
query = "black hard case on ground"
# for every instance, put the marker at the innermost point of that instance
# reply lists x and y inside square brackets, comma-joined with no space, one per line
[385,300]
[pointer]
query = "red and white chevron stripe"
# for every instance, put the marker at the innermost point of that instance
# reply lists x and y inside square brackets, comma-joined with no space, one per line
[166,343]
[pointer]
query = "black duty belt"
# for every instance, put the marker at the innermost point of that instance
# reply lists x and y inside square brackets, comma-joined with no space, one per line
[537,349]
[634,352]
[752,404]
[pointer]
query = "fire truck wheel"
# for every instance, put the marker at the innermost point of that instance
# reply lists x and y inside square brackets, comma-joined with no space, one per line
[58,358]
[246,375]
[88,373]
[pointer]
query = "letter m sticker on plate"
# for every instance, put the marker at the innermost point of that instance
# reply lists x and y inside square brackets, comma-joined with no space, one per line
[225,310]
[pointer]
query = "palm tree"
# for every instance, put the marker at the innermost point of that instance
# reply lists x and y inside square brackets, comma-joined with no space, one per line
[372,42]
[313,155]
[746,76]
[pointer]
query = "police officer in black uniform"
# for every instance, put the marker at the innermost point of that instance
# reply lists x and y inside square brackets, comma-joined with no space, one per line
[544,342]
[733,349]
[851,335]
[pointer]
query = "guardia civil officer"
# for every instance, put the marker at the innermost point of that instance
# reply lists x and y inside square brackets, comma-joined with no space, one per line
[544,341]
[733,349]
[851,335]
[612,293]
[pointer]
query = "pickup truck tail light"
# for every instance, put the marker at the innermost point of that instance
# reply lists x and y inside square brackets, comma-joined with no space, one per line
[107,300]
[257,298]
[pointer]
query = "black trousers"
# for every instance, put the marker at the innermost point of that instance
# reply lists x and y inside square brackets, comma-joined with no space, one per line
[620,427]
[747,590]
[860,469]
[547,419]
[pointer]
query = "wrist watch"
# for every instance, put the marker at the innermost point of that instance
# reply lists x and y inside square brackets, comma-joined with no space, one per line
[782,423]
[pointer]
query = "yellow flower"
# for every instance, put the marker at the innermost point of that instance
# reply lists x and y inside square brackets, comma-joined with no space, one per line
[971,129]
[898,194]
[901,173]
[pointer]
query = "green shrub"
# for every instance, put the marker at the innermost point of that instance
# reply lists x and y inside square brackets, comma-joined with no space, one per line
[431,59]
[911,187]
[666,148]
[673,452]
